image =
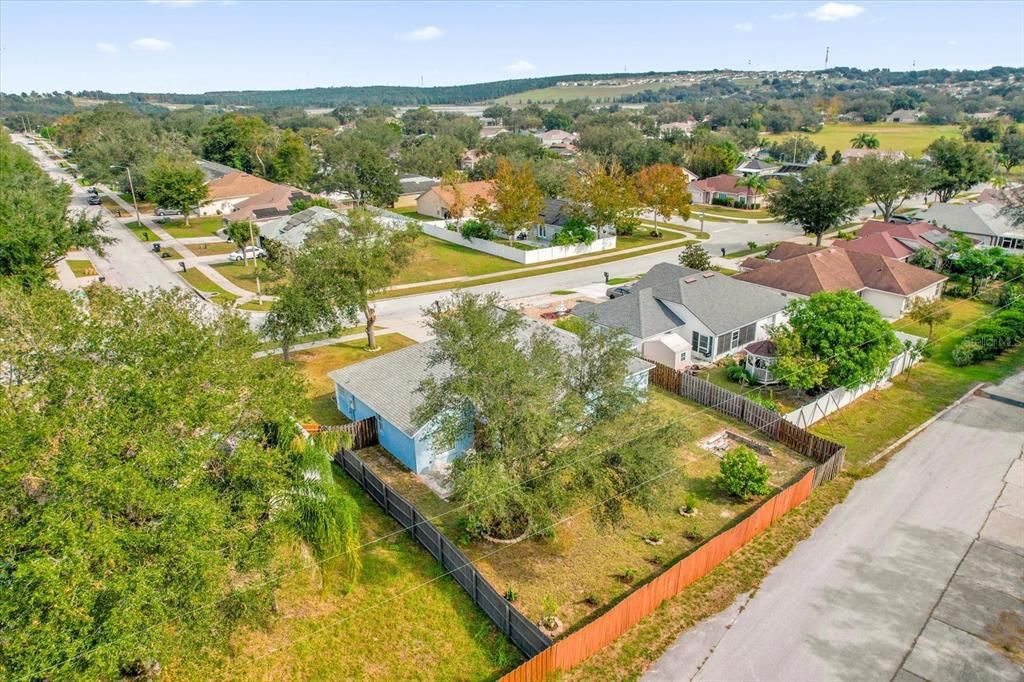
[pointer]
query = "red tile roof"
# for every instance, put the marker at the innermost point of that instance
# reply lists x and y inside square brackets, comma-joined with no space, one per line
[888,239]
[721,183]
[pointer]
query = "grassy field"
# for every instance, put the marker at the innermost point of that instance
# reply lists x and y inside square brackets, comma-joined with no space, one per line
[212,248]
[81,268]
[580,570]
[317,362]
[141,232]
[911,138]
[410,212]
[244,276]
[401,621]
[554,94]
[206,286]
[881,417]
[197,227]
[752,214]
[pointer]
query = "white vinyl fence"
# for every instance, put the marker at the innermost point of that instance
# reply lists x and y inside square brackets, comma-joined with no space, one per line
[438,229]
[841,397]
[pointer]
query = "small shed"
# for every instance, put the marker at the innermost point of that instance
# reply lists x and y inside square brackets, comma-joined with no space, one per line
[668,349]
[761,355]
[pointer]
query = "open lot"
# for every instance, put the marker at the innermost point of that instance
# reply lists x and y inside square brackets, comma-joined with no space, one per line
[911,138]
[244,275]
[586,567]
[212,248]
[317,362]
[197,227]
[556,94]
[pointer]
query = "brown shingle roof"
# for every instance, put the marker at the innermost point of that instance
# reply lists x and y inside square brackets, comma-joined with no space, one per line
[721,183]
[835,269]
[237,184]
[270,204]
[787,250]
[470,191]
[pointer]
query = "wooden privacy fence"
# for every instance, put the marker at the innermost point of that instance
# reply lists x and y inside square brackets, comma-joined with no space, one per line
[364,431]
[591,638]
[527,637]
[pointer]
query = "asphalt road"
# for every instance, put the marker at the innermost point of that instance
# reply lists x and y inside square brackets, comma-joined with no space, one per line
[126,263]
[852,601]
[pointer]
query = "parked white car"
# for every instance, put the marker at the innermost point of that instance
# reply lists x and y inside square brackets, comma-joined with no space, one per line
[250,252]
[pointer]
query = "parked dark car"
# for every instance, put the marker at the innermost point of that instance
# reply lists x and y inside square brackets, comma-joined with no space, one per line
[94,200]
[615,292]
[904,219]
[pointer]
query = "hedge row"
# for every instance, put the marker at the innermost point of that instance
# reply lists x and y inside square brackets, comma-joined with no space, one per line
[991,337]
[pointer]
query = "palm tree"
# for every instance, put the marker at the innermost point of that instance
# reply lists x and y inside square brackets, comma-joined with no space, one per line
[756,184]
[865,141]
[316,510]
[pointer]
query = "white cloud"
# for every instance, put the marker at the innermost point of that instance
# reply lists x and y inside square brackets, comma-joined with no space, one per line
[745,27]
[785,16]
[834,11]
[425,33]
[106,48]
[152,44]
[522,66]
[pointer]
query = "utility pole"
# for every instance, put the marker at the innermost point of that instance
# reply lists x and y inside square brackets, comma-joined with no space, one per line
[256,264]
[135,201]
[826,56]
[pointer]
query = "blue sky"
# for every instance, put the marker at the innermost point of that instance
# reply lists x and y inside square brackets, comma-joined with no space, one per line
[250,44]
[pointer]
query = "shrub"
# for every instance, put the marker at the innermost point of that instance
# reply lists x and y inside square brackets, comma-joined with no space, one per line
[695,257]
[966,353]
[575,231]
[627,575]
[739,374]
[743,475]
[991,337]
[510,594]
[653,536]
[690,503]
[764,401]
[593,599]
[476,229]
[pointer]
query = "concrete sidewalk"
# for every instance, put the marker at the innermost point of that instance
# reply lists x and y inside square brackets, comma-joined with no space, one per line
[912,577]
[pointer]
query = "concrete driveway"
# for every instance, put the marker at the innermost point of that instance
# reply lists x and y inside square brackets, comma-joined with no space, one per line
[908,579]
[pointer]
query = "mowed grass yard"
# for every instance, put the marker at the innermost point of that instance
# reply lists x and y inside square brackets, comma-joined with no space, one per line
[317,362]
[401,621]
[197,227]
[911,138]
[212,248]
[578,573]
[879,418]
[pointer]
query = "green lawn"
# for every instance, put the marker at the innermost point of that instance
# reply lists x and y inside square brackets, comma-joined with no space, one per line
[212,248]
[911,138]
[438,259]
[787,399]
[317,362]
[752,214]
[206,286]
[244,276]
[197,227]
[81,268]
[401,621]
[410,212]
[579,569]
[142,232]
[882,417]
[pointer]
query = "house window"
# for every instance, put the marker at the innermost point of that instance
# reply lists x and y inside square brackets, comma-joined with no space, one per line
[701,343]
[1011,243]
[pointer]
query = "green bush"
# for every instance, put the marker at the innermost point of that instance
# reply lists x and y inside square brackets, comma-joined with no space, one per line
[991,337]
[575,231]
[739,374]
[743,475]
[966,353]
[764,401]
[476,229]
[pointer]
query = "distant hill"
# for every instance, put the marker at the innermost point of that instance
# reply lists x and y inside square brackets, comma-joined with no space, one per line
[605,87]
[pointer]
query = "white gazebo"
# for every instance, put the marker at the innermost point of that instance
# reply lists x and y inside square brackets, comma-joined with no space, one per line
[759,360]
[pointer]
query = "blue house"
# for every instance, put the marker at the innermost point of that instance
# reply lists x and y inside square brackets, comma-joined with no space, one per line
[386,388]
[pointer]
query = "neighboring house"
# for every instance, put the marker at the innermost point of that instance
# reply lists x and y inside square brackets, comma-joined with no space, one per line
[887,284]
[470,158]
[412,187]
[690,175]
[782,251]
[851,117]
[293,230]
[213,170]
[981,222]
[721,187]
[273,203]
[556,138]
[226,192]
[487,132]
[677,316]
[852,154]
[756,167]
[894,240]
[905,116]
[437,201]
[686,127]
[387,387]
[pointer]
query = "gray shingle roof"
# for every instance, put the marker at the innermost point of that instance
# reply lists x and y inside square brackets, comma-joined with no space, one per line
[389,384]
[293,230]
[213,170]
[721,303]
[981,219]
[416,184]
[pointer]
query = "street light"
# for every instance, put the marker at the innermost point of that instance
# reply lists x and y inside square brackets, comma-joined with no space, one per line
[131,186]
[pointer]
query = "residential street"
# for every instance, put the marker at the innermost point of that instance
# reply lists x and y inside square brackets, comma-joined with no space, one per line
[902,581]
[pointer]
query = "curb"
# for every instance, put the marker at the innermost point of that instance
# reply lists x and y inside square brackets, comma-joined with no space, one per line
[921,427]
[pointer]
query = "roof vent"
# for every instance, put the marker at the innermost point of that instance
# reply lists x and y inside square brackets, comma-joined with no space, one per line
[690,280]
[708,274]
